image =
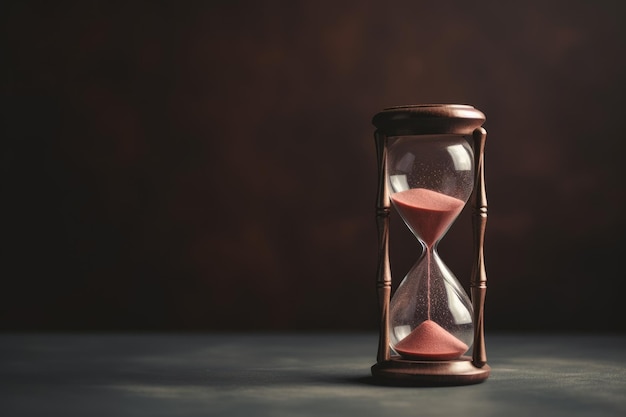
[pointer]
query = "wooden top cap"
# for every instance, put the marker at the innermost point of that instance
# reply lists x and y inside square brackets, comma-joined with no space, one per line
[429,119]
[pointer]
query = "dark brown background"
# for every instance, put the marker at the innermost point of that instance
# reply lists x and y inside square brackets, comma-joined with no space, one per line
[210,165]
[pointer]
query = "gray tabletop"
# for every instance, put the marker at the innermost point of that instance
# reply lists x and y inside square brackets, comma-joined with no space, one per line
[296,375]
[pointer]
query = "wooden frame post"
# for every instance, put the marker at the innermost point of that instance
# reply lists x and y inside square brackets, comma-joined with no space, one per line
[383,276]
[478,283]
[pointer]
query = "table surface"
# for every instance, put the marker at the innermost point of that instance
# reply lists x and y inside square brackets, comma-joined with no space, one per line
[296,375]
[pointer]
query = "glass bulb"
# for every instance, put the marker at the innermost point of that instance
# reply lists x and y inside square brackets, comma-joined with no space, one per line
[430,179]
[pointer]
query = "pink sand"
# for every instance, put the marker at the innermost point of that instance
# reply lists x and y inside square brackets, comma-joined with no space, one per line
[430,341]
[428,212]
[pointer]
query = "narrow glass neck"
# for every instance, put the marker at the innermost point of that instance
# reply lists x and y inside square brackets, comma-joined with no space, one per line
[428,248]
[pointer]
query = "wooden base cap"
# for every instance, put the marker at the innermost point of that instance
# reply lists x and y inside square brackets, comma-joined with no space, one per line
[402,372]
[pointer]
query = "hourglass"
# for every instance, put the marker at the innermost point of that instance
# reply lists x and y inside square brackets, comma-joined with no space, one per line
[430,164]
